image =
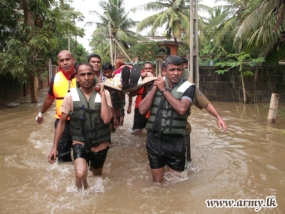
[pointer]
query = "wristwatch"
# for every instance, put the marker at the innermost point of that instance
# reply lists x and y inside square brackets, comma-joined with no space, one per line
[166,89]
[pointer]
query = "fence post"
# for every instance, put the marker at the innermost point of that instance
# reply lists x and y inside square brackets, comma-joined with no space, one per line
[273,108]
[49,70]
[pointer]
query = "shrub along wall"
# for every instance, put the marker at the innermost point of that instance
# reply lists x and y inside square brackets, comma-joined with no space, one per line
[228,87]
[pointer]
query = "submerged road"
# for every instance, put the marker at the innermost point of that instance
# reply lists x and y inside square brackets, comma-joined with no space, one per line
[246,162]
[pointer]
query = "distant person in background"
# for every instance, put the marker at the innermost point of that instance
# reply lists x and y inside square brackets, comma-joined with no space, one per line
[163,70]
[107,71]
[95,61]
[59,86]
[185,63]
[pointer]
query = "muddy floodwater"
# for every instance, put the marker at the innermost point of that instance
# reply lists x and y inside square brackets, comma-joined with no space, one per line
[246,162]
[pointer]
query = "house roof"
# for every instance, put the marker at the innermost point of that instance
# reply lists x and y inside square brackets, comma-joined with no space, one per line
[160,39]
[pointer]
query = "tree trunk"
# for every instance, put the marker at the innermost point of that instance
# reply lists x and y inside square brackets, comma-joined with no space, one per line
[115,51]
[254,86]
[176,45]
[243,87]
[28,17]
[34,98]
[29,24]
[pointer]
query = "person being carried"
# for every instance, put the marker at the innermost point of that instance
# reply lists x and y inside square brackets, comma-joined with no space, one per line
[139,119]
[169,102]
[90,111]
[59,86]
[125,77]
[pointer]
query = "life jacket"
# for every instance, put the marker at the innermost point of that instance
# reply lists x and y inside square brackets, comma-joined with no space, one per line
[163,118]
[85,120]
[139,97]
[61,87]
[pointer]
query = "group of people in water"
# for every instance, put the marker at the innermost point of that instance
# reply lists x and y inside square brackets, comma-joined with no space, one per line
[88,110]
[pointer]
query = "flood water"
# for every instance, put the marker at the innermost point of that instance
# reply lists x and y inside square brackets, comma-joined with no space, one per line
[246,162]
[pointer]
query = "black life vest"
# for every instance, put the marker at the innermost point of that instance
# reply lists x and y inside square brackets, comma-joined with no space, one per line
[163,118]
[85,120]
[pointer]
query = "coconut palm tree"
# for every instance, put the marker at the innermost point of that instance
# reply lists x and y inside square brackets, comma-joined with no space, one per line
[256,26]
[101,47]
[173,15]
[262,29]
[120,24]
[212,38]
[222,24]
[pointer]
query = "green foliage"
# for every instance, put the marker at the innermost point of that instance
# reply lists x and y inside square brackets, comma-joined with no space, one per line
[261,28]
[146,51]
[102,48]
[173,15]
[26,48]
[113,12]
[78,51]
[255,26]
[26,57]
[8,20]
[239,60]
[213,38]
[247,73]
[183,49]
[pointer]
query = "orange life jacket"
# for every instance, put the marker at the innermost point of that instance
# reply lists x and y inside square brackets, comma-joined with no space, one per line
[139,97]
[61,86]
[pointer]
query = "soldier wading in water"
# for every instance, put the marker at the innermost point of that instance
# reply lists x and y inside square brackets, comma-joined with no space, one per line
[90,113]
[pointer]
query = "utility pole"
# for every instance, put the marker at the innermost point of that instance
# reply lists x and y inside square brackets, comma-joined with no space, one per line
[68,39]
[116,43]
[123,51]
[110,43]
[193,56]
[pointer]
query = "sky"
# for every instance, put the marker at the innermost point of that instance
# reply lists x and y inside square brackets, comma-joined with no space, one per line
[85,6]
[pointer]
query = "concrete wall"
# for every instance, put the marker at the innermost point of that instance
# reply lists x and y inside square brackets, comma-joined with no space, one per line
[11,88]
[228,87]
